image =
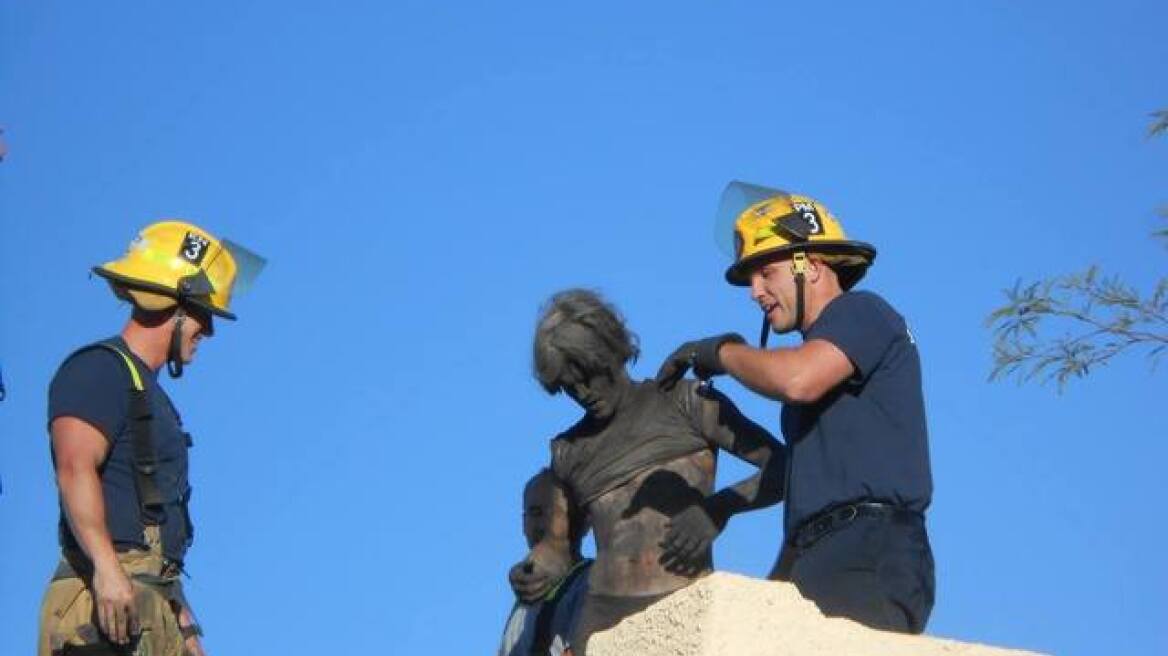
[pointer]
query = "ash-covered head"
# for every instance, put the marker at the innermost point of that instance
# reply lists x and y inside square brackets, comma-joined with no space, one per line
[579,334]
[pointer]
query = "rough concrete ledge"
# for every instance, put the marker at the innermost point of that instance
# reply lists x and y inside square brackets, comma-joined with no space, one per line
[731,615]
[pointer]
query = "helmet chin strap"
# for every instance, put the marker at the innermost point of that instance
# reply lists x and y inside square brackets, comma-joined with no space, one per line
[799,270]
[174,363]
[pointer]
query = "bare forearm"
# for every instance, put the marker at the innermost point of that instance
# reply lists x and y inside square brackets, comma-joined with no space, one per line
[78,450]
[764,372]
[81,495]
[792,375]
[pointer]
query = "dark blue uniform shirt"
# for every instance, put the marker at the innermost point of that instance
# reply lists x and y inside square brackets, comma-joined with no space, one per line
[866,438]
[93,385]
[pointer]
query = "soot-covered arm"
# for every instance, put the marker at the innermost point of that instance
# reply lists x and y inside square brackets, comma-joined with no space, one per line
[692,531]
[725,426]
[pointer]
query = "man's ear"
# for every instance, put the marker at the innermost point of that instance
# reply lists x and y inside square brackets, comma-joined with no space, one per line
[815,267]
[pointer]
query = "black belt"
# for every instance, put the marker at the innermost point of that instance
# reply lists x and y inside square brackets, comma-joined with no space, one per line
[75,564]
[829,521]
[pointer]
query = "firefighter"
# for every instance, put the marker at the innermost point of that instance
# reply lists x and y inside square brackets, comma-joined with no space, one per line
[858,478]
[119,450]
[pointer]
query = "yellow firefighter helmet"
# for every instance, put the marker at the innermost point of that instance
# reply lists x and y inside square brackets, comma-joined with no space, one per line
[770,223]
[172,262]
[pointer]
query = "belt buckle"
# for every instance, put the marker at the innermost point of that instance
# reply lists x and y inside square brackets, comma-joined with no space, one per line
[169,568]
[813,530]
[827,522]
[852,511]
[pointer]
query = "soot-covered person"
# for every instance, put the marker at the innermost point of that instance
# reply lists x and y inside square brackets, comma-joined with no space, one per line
[639,465]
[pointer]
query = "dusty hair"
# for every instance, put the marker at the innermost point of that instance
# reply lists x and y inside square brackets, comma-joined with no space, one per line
[609,345]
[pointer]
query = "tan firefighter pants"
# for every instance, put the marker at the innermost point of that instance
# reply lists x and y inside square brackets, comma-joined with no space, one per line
[68,623]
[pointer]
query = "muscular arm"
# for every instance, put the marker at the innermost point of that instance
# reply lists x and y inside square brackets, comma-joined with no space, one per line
[79,449]
[724,425]
[792,375]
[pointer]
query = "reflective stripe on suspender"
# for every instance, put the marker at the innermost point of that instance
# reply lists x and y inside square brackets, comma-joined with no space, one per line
[137,378]
[141,436]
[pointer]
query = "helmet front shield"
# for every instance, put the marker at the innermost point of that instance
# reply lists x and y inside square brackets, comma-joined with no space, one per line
[228,277]
[736,198]
[248,266]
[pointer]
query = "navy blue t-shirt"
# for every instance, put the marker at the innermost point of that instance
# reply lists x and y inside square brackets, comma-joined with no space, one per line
[93,386]
[866,438]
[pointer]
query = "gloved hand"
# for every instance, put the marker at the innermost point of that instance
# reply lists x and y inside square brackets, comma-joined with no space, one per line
[688,535]
[701,355]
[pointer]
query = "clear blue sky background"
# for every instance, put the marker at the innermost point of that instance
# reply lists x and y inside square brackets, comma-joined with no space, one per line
[423,175]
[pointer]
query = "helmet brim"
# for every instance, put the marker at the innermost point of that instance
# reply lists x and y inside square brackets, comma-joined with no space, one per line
[133,283]
[738,274]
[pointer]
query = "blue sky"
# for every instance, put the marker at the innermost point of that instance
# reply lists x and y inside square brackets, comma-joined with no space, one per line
[422,176]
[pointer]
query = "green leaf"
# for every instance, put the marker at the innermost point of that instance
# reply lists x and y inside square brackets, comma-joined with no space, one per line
[1160,124]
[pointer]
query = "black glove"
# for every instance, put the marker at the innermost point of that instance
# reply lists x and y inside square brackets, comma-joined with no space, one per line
[688,535]
[702,355]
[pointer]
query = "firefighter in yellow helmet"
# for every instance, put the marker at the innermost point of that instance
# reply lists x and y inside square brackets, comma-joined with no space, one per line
[120,451]
[176,266]
[857,474]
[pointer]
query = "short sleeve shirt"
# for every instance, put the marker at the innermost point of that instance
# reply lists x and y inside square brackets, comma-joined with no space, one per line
[93,385]
[654,427]
[866,439]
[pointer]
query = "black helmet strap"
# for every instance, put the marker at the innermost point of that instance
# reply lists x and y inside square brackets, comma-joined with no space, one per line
[174,363]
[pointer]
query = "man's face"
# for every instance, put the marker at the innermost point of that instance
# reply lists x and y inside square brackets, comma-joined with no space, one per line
[198,325]
[772,286]
[536,511]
